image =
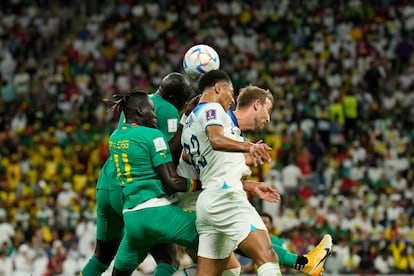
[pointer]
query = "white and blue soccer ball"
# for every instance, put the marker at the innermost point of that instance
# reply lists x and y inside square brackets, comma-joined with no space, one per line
[200,59]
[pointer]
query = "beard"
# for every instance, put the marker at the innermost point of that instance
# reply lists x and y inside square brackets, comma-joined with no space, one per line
[258,125]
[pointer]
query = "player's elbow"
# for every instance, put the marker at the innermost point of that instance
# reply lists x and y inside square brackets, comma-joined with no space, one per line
[216,143]
[176,185]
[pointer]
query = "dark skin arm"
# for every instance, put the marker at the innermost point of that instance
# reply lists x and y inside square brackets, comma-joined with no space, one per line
[175,142]
[175,145]
[170,179]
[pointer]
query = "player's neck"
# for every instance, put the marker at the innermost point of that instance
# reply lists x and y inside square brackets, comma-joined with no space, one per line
[209,98]
[135,122]
[243,119]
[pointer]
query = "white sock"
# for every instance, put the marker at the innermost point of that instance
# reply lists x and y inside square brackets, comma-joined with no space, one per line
[269,269]
[232,272]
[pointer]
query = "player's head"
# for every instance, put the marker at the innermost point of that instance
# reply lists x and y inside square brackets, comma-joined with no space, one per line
[137,107]
[176,89]
[218,85]
[259,102]
[268,221]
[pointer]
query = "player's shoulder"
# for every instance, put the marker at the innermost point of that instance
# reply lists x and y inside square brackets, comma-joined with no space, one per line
[205,106]
[153,96]
[156,99]
[153,132]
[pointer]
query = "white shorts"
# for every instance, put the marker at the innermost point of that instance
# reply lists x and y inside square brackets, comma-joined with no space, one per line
[224,219]
[187,201]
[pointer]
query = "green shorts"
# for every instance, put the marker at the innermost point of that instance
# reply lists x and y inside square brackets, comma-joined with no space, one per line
[109,220]
[147,227]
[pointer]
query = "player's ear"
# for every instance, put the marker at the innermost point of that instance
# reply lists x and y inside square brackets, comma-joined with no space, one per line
[217,87]
[256,104]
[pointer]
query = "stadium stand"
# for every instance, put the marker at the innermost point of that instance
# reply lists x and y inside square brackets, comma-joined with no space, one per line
[342,73]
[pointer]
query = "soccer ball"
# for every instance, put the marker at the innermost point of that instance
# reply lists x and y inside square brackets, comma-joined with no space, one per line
[200,59]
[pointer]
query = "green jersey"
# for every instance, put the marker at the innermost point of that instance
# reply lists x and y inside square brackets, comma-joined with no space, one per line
[108,177]
[136,152]
[168,117]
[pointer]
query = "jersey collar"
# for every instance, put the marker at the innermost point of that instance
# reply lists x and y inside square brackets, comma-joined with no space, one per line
[233,118]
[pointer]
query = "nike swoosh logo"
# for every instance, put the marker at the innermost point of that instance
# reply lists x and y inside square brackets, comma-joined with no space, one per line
[327,253]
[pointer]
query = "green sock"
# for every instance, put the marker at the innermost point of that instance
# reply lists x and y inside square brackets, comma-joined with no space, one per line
[93,268]
[286,258]
[164,269]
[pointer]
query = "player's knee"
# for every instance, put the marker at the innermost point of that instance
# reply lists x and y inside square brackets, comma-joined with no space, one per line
[165,253]
[125,265]
[105,250]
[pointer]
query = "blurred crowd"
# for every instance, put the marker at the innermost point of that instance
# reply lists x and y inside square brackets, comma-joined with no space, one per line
[342,128]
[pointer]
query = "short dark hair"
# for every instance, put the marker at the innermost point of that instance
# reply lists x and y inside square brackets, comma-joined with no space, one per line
[267,215]
[252,93]
[211,78]
[176,89]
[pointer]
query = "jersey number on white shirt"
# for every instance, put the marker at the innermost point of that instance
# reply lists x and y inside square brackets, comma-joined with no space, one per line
[193,152]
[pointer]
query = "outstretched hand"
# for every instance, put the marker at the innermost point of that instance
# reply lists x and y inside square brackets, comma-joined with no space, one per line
[262,190]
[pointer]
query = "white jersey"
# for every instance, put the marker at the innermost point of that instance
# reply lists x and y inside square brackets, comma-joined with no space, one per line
[186,200]
[217,169]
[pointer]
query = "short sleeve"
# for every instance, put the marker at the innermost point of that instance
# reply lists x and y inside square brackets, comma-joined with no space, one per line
[159,149]
[213,114]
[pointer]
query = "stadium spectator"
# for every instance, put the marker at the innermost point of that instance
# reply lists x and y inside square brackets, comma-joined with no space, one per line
[6,262]
[56,260]
[23,260]
[291,177]
[383,262]
[318,51]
